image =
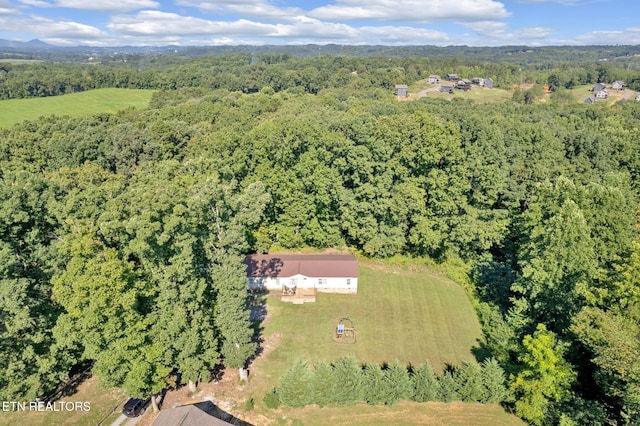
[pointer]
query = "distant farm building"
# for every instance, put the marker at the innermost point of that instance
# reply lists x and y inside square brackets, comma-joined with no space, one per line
[451,77]
[402,90]
[433,79]
[598,87]
[303,275]
[477,80]
[590,100]
[601,94]
[488,83]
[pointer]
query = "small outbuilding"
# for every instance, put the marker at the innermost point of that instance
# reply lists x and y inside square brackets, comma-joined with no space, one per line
[452,77]
[601,94]
[590,100]
[434,79]
[402,90]
[598,87]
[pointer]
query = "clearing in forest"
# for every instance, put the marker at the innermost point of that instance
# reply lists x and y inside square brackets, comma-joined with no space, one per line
[411,315]
[74,104]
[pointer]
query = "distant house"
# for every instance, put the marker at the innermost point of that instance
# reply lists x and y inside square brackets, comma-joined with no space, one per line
[327,273]
[618,85]
[602,94]
[433,79]
[590,100]
[598,87]
[446,88]
[477,80]
[488,83]
[463,84]
[402,90]
[451,77]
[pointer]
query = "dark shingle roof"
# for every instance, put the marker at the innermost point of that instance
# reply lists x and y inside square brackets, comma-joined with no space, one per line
[309,265]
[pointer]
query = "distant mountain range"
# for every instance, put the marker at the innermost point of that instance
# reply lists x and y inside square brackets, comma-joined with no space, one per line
[26,45]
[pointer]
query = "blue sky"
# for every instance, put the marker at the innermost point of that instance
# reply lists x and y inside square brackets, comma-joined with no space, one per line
[388,22]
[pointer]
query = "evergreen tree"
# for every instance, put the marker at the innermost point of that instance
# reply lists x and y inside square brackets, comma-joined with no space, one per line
[396,384]
[493,380]
[373,378]
[469,382]
[295,386]
[350,389]
[448,388]
[425,384]
[325,384]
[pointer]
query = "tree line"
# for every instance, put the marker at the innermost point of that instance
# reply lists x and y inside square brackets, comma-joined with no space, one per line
[345,382]
[250,72]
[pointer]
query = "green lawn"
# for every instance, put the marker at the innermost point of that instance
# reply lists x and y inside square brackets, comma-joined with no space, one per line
[410,315]
[74,104]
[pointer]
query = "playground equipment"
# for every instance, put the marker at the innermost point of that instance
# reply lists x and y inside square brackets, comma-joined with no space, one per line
[345,332]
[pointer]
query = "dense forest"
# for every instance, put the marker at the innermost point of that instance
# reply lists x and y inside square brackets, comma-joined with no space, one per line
[121,236]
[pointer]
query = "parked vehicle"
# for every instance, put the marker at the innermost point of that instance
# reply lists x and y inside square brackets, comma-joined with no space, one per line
[134,407]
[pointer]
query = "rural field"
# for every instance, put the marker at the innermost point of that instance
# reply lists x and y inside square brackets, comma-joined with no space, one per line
[74,104]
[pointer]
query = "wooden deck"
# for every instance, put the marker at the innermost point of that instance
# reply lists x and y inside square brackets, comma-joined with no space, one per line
[303,295]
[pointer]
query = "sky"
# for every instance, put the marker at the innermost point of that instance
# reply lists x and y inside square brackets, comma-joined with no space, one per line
[351,22]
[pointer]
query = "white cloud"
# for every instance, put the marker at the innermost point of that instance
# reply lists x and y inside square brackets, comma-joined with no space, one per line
[628,36]
[491,29]
[532,33]
[403,36]
[7,8]
[422,11]
[106,5]
[156,23]
[161,24]
[249,8]
[65,29]
[565,2]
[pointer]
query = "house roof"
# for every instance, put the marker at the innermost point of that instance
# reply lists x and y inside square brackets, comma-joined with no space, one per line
[188,415]
[598,87]
[309,265]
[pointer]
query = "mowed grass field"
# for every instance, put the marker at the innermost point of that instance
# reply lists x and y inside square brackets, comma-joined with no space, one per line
[412,315]
[74,104]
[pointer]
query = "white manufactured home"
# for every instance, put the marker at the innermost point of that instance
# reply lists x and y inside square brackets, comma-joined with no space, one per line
[323,273]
